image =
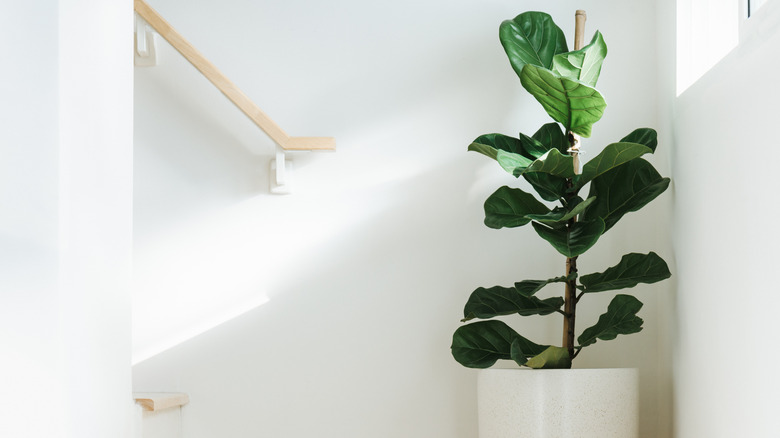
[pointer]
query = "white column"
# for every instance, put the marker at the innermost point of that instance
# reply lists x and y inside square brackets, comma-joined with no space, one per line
[65,218]
[96,156]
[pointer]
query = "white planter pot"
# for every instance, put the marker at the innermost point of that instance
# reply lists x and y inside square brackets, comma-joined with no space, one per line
[577,403]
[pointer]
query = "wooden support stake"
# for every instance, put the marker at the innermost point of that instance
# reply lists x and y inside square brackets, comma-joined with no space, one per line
[579,42]
[579,29]
[570,295]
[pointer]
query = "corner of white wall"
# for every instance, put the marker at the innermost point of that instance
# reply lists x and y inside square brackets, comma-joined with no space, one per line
[95,214]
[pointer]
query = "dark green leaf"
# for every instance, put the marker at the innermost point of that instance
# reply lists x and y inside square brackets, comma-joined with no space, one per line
[551,358]
[559,216]
[549,187]
[633,269]
[612,156]
[513,154]
[553,219]
[490,144]
[508,207]
[573,241]
[622,190]
[481,344]
[532,146]
[531,38]
[516,353]
[551,136]
[573,104]
[583,65]
[553,163]
[643,136]
[487,303]
[573,202]
[620,319]
[530,287]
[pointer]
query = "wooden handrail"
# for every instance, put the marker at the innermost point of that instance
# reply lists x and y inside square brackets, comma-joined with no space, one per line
[228,88]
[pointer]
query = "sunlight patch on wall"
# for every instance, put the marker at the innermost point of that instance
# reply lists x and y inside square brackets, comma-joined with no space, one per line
[707,30]
[213,269]
[155,344]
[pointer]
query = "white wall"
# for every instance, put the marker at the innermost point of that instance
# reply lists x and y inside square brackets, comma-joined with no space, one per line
[65,226]
[28,190]
[724,170]
[367,265]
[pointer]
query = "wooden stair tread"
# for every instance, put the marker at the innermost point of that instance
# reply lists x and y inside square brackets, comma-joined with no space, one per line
[157,401]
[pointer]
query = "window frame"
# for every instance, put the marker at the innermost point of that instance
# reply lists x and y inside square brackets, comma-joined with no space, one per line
[753,23]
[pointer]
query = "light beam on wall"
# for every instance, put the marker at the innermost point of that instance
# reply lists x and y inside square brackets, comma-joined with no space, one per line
[707,30]
[219,266]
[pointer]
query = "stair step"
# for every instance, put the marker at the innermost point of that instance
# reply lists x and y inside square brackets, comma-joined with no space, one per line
[157,401]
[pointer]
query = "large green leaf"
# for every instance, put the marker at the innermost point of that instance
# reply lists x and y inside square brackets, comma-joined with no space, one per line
[560,216]
[620,319]
[583,65]
[571,103]
[612,156]
[551,358]
[643,136]
[481,344]
[529,148]
[622,190]
[633,269]
[549,187]
[551,136]
[487,303]
[490,144]
[508,207]
[512,163]
[573,241]
[531,38]
[553,163]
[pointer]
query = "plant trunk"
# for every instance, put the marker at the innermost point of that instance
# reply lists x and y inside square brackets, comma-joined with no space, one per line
[570,307]
[570,295]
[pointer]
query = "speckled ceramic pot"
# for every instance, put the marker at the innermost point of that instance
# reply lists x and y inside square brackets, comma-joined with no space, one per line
[577,403]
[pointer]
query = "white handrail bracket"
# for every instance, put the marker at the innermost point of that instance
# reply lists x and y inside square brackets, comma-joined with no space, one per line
[149,24]
[145,44]
[280,181]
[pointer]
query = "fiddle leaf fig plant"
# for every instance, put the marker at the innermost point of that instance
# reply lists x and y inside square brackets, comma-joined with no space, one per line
[617,181]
